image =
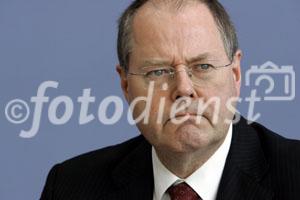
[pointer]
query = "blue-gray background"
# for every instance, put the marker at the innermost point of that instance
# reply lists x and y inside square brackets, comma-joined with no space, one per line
[73,42]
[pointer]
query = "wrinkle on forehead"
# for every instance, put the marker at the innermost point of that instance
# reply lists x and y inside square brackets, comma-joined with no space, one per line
[171,4]
[156,7]
[174,35]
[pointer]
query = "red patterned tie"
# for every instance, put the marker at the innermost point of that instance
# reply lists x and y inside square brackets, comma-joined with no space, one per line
[182,191]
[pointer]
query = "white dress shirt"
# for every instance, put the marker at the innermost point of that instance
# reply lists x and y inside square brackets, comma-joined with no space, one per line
[205,180]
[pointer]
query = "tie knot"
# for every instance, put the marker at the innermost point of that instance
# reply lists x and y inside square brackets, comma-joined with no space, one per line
[182,191]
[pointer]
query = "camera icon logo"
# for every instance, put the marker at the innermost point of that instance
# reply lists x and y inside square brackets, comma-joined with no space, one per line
[282,78]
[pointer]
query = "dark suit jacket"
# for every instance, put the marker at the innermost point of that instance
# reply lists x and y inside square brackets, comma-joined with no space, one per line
[261,165]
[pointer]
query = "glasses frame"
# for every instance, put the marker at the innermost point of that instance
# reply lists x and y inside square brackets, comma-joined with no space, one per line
[172,73]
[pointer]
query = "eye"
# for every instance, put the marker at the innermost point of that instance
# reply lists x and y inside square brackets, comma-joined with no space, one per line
[157,73]
[203,67]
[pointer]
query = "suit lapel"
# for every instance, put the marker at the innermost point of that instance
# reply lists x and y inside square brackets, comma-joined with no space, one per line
[245,174]
[134,175]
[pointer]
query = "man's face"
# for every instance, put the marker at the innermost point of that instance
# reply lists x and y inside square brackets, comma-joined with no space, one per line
[175,38]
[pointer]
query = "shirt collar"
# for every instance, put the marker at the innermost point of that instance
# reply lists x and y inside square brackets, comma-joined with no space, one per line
[205,180]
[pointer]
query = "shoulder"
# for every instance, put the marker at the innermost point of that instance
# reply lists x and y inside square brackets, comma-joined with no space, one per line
[275,158]
[275,141]
[279,151]
[89,173]
[102,157]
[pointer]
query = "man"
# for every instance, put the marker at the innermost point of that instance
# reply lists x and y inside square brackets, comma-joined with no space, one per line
[187,52]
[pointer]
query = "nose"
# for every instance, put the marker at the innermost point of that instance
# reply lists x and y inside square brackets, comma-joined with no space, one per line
[183,85]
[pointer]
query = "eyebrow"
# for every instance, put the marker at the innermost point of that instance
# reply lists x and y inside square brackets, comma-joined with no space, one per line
[158,62]
[200,57]
[154,62]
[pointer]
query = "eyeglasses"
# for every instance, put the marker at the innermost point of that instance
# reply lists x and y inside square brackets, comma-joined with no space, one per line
[199,74]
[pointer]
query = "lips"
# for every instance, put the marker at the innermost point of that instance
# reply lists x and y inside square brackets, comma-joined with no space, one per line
[191,111]
[184,114]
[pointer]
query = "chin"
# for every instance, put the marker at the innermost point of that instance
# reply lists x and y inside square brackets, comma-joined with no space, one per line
[189,137]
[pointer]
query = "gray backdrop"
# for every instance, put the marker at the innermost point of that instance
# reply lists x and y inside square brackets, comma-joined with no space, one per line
[73,43]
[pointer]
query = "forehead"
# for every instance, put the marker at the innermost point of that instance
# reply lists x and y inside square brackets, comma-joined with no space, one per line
[164,31]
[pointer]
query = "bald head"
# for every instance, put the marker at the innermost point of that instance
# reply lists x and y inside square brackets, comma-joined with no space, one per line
[153,7]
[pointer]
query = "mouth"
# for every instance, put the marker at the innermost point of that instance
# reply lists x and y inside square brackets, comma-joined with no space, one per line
[186,115]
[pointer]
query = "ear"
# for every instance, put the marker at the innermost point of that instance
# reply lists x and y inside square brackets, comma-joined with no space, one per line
[237,74]
[123,81]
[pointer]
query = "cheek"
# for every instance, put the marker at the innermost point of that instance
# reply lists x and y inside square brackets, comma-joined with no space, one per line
[146,102]
[152,129]
[225,85]
[221,91]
